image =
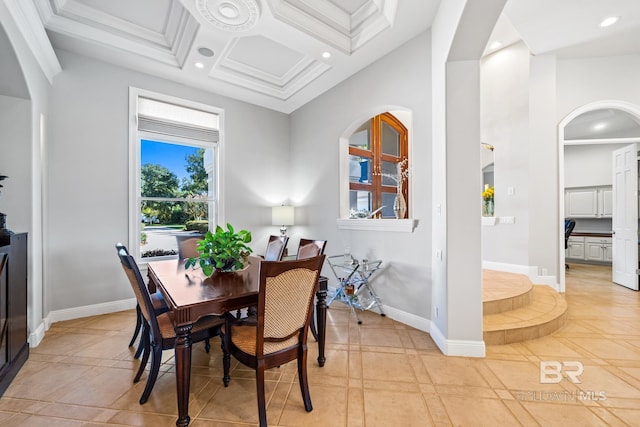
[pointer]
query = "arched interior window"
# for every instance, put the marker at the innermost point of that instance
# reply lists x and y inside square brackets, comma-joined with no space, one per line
[378,167]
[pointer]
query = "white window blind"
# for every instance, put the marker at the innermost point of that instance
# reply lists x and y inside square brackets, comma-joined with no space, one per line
[175,120]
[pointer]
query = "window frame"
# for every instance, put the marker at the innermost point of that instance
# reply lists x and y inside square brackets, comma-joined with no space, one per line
[134,171]
[377,157]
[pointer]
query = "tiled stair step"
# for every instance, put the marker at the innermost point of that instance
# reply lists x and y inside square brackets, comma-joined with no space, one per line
[504,291]
[546,313]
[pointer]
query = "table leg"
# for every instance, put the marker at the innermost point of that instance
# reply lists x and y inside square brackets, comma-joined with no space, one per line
[321,317]
[183,372]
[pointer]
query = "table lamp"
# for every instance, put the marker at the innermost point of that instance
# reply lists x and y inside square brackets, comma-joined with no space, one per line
[282,216]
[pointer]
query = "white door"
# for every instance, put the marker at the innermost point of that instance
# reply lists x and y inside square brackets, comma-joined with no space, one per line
[625,216]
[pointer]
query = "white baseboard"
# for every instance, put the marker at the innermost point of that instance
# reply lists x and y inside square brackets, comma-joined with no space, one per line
[90,310]
[510,268]
[35,337]
[464,348]
[408,319]
[530,271]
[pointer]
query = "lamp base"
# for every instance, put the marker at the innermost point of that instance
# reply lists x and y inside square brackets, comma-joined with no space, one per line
[283,231]
[5,234]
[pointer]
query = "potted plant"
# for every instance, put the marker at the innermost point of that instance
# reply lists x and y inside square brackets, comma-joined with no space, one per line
[222,250]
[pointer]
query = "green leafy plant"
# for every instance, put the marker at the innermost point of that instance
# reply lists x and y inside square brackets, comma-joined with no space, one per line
[222,250]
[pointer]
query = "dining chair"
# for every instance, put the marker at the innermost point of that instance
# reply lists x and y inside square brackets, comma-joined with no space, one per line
[308,248]
[279,336]
[275,251]
[159,306]
[158,331]
[188,245]
[275,248]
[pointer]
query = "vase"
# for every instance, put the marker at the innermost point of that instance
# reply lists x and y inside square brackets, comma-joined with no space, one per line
[487,207]
[400,206]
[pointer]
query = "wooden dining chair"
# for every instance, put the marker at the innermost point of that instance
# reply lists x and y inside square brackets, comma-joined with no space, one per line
[275,248]
[188,245]
[158,331]
[159,306]
[280,334]
[275,251]
[308,248]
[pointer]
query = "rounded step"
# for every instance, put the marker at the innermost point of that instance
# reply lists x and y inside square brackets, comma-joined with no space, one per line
[546,313]
[503,291]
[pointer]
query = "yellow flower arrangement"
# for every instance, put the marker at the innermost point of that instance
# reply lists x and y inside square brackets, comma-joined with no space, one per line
[487,194]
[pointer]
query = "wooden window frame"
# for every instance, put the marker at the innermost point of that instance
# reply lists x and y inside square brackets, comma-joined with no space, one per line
[376,156]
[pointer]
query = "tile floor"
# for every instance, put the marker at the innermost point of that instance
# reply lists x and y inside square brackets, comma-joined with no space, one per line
[381,373]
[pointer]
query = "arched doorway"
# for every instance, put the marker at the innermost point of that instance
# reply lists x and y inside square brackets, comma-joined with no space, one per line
[607,123]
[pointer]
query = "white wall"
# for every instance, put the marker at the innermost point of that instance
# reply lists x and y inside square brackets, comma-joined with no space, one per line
[15,155]
[26,184]
[87,176]
[588,165]
[400,79]
[556,88]
[505,124]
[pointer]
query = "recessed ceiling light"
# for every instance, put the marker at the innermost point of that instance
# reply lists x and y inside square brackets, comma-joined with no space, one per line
[199,65]
[609,21]
[496,44]
[228,10]
[326,55]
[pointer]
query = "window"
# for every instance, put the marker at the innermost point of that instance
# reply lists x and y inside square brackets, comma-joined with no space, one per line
[174,151]
[378,165]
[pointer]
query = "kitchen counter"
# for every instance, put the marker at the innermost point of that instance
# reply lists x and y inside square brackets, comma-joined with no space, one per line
[592,233]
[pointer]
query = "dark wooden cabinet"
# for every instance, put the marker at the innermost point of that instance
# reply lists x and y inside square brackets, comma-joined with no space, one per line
[14,348]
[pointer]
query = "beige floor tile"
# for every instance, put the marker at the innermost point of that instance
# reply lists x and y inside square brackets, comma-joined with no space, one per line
[548,414]
[378,373]
[464,411]
[385,408]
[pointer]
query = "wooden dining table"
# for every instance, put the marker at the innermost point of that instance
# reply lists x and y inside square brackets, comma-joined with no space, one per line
[191,295]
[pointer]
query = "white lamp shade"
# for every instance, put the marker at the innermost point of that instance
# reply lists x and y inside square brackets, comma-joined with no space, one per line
[282,215]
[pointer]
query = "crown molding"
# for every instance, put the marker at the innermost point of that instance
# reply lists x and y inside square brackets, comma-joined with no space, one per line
[27,20]
[171,46]
[334,26]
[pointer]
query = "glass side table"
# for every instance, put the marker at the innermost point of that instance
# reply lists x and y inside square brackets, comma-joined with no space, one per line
[354,287]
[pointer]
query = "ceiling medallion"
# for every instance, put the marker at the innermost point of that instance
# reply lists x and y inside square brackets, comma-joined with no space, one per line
[230,15]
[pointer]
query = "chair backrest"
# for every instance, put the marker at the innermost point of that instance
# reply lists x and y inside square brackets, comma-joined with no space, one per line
[188,245]
[569,225]
[275,248]
[285,302]
[140,290]
[310,248]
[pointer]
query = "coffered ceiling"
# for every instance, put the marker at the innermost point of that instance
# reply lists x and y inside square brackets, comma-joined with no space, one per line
[272,52]
[276,53]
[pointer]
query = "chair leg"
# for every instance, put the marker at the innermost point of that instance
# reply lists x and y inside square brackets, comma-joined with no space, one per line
[312,324]
[140,348]
[262,406]
[156,358]
[207,345]
[136,331]
[302,379]
[144,340]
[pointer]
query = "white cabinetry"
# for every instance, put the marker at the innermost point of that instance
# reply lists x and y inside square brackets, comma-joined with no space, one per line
[575,247]
[589,248]
[597,248]
[588,202]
